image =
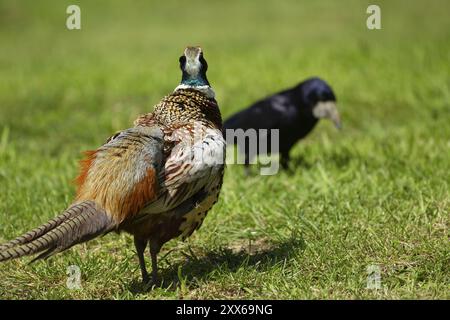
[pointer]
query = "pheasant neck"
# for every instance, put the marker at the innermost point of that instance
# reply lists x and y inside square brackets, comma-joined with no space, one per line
[205,89]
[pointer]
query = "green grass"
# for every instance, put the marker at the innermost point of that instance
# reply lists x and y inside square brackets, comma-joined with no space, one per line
[376,193]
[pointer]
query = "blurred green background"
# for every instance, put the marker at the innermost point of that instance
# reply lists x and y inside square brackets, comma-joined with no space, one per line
[376,193]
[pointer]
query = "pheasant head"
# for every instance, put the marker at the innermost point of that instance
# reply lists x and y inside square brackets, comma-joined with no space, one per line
[193,67]
[192,100]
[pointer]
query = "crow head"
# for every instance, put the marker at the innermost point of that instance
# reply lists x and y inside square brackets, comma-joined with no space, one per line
[319,98]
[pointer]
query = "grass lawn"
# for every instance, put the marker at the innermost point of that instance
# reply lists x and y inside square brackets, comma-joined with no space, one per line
[375,195]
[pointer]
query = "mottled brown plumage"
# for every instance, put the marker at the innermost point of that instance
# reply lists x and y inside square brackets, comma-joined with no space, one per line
[156,180]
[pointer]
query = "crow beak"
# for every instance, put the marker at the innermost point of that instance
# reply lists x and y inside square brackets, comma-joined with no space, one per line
[328,110]
[336,118]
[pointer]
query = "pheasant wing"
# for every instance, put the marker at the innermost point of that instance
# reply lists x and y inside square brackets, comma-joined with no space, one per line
[122,176]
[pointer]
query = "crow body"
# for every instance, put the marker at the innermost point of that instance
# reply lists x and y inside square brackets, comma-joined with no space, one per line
[294,111]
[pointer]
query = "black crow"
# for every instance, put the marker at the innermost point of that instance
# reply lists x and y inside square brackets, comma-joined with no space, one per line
[294,112]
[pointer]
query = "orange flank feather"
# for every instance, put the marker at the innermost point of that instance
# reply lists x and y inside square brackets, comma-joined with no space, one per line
[144,191]
[112,187]
[85,165]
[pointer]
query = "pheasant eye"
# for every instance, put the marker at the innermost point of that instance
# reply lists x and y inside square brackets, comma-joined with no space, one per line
[182,61]
[203,62]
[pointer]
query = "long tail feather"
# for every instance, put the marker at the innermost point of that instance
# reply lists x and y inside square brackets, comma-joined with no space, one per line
[81,222]
[39,231]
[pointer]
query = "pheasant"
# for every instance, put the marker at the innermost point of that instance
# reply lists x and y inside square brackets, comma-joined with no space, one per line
[155,181]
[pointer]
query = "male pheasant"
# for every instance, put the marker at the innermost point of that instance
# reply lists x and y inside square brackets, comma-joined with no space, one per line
[156,180]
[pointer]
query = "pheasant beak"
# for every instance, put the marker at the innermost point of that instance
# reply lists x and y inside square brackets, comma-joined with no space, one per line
[193,64]
[328,109]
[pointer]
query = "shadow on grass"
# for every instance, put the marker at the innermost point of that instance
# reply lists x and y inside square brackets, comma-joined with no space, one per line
[261,257]
[299,162]
[339,159]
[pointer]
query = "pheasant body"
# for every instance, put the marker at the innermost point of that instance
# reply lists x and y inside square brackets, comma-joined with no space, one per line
[194,150]
[156,180]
